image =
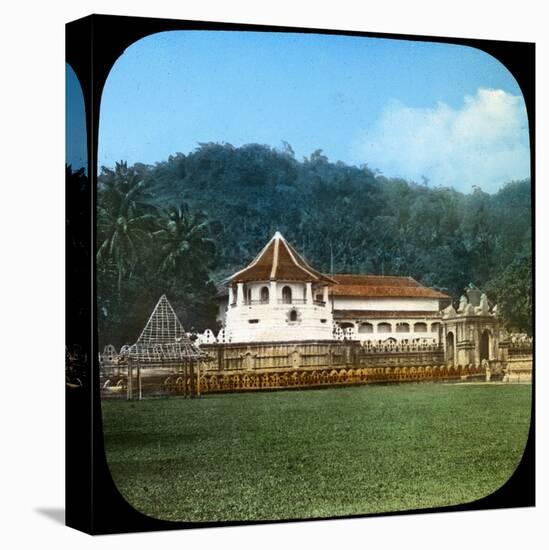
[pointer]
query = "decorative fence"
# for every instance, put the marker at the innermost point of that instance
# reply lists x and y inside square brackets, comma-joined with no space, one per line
[392,355]
[166,361]
[280,355]
[131,383]
[212,382]
[158,384]
[277,365]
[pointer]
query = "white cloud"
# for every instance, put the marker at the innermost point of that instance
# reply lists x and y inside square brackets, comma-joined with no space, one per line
[483,143]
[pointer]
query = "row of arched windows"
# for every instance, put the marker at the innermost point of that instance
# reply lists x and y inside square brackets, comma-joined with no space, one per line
[264,294]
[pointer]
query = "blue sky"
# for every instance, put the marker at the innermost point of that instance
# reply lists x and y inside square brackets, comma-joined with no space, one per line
[452,114]
[75,121]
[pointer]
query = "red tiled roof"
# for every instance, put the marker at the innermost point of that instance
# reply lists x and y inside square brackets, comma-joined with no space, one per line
[382,286]
[279,261]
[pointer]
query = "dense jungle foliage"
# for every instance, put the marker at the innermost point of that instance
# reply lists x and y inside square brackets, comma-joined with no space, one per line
[181,226]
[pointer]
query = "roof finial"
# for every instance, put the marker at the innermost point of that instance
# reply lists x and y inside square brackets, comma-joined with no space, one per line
[278,235]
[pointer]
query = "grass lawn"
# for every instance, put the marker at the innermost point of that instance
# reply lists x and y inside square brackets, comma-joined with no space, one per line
[315,453]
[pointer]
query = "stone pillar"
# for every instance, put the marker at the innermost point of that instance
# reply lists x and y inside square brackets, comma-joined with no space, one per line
[272,293]
[494,343]
[503,351]
[475,335]
[231,295]
[240,294]
[309,293]
[325,296]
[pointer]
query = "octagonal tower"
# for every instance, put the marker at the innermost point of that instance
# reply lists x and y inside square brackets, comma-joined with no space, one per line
[278,297]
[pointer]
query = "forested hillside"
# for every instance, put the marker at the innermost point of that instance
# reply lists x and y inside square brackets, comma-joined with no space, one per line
[185,223]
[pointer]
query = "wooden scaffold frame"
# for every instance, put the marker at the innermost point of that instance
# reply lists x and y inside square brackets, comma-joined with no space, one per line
[163,343]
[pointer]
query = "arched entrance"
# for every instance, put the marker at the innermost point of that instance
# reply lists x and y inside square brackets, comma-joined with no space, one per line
[485,345]
[450,347]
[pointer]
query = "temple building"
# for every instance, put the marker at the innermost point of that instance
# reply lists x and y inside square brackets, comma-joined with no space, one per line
[377,307]
[280,297]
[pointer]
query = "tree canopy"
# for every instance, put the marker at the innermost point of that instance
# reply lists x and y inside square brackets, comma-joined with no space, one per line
[204,215]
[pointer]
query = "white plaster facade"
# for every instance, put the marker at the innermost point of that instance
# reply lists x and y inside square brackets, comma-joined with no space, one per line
[279,318]
[404,329]
[386,304]
[378,319]
[264,304]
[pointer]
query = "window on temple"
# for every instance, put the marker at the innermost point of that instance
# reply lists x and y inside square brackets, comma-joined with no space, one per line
[403,327]
[420,327]
[366,328]
[264,294]
[287,295]
[384,327]
[293,315]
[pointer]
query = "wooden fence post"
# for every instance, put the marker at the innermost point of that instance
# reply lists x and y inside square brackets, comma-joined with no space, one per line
[129,382]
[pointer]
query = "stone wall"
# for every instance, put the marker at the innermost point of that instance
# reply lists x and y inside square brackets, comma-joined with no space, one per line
[519,366]
[273,365]
[317,354]
[279,355]
[519,359]
[307,364]
[518,371]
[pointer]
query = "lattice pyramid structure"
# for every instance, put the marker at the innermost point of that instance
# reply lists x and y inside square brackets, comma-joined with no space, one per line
[163,326]
[163,340]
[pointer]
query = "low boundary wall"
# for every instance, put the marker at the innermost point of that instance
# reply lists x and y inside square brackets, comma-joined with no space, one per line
[270,366]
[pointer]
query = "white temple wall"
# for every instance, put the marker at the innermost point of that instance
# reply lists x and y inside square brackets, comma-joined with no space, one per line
[273,323]
[414,332]
[386,304]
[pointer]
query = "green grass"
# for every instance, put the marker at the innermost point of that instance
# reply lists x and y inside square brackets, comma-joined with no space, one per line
[300,454]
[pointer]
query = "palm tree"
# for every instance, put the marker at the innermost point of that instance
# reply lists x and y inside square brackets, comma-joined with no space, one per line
[125,219]
[184,241]
[124,191]
[124,237]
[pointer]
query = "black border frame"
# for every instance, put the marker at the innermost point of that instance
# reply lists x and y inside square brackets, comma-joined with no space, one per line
[93,503]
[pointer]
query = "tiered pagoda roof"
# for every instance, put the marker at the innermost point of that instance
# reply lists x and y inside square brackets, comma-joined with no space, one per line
[279,261]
